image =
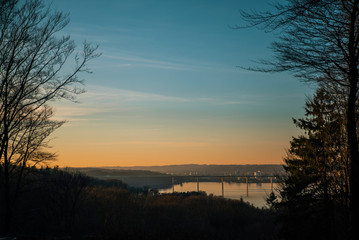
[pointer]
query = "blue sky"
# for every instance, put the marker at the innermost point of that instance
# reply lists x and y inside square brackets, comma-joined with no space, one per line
[168,88]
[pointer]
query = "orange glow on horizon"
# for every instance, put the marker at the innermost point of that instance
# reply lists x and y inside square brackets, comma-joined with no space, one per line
[154,154]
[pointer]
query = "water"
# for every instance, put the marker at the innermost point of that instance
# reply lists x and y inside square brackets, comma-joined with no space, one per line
[257,192]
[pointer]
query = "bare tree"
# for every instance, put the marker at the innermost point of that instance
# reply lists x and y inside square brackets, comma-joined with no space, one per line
[319,42]
[32,61]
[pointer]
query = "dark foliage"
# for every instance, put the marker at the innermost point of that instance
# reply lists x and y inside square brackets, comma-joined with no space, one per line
[33,56]
[56,204]
[318,41]
[314,201]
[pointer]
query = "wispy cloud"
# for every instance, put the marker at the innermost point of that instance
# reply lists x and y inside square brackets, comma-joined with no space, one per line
[100,100]
[121,59]
[118,58]
[63,111]
[112,96]
[159,143]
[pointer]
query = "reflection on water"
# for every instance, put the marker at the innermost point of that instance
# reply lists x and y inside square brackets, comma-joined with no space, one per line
[257,192]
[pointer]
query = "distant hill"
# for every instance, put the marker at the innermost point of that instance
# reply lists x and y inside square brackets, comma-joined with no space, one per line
[134,178]
[161,176]
[211,170]
[106,173]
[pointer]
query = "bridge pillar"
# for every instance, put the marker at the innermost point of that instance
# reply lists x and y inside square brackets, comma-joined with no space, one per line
[197,185]
[247,185]
[173,184]
[222,187]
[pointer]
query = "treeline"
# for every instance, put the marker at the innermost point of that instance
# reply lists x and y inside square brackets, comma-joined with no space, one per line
[212,170]
[56,204]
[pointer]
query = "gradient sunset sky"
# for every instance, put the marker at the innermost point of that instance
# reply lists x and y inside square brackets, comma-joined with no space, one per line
[168,90]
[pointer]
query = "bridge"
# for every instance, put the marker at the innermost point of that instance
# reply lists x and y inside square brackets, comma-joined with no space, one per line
[222,178]
[166,181]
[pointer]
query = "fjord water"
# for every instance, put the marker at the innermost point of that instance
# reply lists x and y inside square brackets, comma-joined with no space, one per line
[257,192]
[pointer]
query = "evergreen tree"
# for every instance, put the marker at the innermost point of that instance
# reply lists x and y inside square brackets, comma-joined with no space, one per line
[318,41]
[315,194]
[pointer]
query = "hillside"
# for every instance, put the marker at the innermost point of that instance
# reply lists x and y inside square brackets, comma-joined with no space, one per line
[106,173]
[211,170]
[134,178]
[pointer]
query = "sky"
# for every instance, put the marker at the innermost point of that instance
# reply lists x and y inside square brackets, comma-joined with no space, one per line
[170,88]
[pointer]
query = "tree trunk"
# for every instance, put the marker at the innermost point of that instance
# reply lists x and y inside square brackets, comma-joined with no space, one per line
[352,121]
[6,162]
[7,205]
[354,159]
[6,181]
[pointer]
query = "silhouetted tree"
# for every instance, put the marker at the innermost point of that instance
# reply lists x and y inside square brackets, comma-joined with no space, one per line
[315,195]
[25,148]
[64,191]
[32,58]
[319,42]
